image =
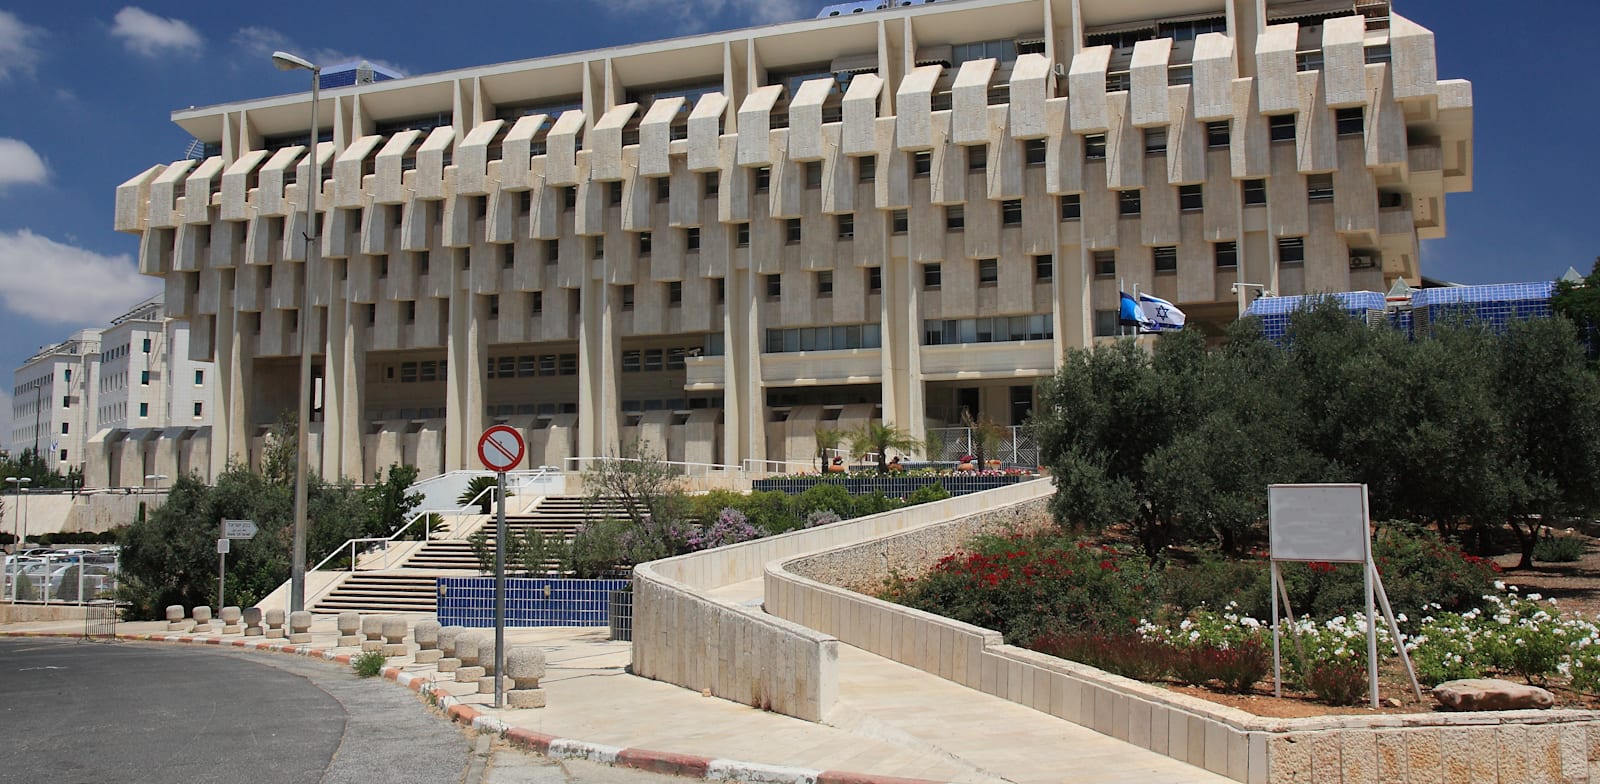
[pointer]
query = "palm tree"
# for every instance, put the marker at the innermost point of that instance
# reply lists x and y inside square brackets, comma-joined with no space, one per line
[828,440]
[881,437]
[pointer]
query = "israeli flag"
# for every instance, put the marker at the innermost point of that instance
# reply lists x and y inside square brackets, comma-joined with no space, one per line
[1160,315]
[1131,315]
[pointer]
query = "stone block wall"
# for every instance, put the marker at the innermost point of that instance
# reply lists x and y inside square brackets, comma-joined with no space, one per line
[819,591]
[685,637]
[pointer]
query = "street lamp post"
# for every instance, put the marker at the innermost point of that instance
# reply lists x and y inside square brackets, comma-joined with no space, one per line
[297,566]
[22,531]
[157,478]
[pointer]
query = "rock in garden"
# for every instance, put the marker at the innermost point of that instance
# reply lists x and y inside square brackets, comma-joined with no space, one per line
[1484,694]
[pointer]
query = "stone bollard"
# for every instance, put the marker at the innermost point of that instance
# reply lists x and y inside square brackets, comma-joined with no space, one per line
[394,635]
[252,622]
[524,667]
[300,627]
[426,633]
[467,649]
[274,619]
[202,619]
[447,648]
[486,661]
[349,629]
[230,620]
[175,620]
[372,629]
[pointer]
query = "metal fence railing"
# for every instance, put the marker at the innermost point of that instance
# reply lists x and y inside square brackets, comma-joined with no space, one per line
[1017,447]
[72,579]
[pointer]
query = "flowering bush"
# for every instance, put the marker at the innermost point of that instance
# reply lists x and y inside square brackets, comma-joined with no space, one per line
[1127,654]
[1027,586]
[821,517]
[1512,635]
[730,527]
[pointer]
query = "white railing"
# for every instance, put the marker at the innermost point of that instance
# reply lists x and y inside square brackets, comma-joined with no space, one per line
[685,468]
[77,580]
[756,466]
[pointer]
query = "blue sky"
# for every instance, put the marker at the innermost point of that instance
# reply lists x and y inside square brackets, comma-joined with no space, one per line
[88,88]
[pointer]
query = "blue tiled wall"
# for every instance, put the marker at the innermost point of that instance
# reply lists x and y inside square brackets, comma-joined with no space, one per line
[1495,304]
[469,601]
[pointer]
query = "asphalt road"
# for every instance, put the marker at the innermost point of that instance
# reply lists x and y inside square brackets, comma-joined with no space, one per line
[87,713]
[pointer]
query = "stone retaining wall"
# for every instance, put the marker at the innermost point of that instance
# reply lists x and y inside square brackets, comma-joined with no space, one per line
[1509,747]
[686,637]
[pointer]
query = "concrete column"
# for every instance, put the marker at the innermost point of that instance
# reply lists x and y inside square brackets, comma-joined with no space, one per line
[744,432]
[343,380]
[599,366]
[231,420]
[903,399]
[468,355]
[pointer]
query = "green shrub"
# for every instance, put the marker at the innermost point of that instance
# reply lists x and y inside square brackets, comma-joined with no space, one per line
[927,494]
[1025,586]
[769,510]
[823,496]
[596,549]
[875,503]
[1125,654]
[1418,569]
[1234,667]
[478,485]
[1336,682]
[1215,583]
[368,664]
[1559,549]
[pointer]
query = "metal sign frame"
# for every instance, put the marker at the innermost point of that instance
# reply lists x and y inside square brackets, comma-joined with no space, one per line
[1328,523]
[497,455]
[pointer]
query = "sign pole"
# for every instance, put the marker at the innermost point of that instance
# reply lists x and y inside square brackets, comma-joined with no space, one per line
[501,449]
[1277,657]
[222,566]
[500,592]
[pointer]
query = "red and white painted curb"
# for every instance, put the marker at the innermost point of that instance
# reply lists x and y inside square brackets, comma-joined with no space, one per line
[666,762]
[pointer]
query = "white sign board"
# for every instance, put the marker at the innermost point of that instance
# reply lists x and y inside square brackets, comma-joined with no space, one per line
[1318,523]
[223,546]
[239,529]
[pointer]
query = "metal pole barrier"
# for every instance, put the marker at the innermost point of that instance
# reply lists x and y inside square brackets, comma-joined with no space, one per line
[500,593]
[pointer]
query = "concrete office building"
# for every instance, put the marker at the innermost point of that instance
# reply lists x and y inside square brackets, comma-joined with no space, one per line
[720,243]
[117,392]
[150,395]
[52,401]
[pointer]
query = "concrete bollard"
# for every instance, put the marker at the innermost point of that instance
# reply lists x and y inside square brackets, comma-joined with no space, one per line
[447,648]
[426,633]
[202,618]
[349,629]
[394,635]
[175,620]
[467,649]
[274,620]
[372,629]
[252,622]
[300,627]
[230,620]
[524,667]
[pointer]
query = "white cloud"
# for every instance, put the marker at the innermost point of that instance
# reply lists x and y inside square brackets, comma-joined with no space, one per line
[18,45]
[150,35]
[56,283]
[258,43]
[692,15]
[19,164]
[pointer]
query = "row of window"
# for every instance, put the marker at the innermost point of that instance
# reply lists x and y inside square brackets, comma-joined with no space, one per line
[834,338]
[119,352]
[999,329]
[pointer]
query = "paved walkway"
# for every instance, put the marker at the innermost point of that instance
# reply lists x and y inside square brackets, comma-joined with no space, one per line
[892,720]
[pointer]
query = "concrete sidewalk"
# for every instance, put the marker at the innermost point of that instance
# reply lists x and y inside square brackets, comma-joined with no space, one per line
[892,721]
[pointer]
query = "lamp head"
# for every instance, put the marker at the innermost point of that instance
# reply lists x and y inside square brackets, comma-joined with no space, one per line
[288,62]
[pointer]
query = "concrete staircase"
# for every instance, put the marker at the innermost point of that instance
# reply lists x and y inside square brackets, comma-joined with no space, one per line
[411,587]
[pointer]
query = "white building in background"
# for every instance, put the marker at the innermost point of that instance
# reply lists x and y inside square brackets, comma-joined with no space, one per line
[721,243]
[53,398]
[130,383]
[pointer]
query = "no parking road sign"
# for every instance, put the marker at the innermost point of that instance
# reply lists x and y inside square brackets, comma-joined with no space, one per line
[501,448]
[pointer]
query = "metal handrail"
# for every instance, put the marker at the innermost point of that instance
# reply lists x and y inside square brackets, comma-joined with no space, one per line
[470,507]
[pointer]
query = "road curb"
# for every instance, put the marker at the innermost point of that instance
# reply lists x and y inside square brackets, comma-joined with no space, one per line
[664,762]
